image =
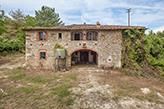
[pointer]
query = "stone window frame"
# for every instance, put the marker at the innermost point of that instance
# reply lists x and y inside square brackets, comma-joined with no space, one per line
[76,32]
[42,50]
[92,32]
[61,35]
[38,36]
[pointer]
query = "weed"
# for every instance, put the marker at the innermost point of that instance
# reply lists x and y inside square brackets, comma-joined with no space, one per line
[151,96]
[138,106]
[28,90]
[73,77]
[19,76]
[1,95]
[55,77]
[19,67]
[69,101]
[1,101]
[62,91]
[39,79]
[90,86]
[2,107]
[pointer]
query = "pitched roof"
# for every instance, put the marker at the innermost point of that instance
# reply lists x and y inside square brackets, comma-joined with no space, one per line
[83,27]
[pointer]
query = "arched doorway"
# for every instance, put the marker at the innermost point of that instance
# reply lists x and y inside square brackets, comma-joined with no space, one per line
[84,56]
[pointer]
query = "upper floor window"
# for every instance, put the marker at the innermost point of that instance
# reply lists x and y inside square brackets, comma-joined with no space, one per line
[77,36]
[92,35]
[60,36]
[42,36]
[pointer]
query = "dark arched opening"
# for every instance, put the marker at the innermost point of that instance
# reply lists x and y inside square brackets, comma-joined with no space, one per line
[84,57]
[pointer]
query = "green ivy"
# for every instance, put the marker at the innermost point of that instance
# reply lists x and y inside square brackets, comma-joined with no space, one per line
[57,46]
[141,51]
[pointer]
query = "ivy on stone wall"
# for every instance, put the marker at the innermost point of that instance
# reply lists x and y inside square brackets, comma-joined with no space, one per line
[57,46]
[142,54]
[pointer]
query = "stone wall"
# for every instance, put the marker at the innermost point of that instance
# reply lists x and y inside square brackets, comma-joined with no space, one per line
[108,47]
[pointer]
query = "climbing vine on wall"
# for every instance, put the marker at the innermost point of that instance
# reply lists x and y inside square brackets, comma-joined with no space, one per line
[57,46]
[142,53]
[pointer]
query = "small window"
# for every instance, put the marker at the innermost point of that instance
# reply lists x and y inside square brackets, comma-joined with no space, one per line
[60,36]
[42,36]
[42,55]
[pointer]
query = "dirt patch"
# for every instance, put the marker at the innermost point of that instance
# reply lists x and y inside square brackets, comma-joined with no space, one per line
[77,88]
[12,62]
[7,59]
[112,89]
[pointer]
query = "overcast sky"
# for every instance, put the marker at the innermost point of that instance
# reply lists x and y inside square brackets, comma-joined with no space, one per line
[148,13]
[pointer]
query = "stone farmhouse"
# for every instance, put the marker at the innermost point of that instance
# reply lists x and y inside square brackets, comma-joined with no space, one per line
[84,43]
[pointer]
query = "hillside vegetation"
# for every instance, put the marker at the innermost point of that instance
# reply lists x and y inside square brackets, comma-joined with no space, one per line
[12,38]
[143,54]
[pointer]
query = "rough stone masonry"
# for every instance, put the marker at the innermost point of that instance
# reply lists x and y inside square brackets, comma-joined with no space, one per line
[104,40]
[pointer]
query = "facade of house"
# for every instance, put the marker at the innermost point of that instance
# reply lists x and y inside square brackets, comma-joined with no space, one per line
[96,44]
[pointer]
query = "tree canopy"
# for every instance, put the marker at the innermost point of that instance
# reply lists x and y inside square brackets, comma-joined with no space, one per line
[2,22]
[46,17]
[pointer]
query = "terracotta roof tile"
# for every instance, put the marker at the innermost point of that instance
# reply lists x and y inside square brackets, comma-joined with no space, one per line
[83,27]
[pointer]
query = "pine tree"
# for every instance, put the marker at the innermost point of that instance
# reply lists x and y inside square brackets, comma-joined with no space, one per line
[46,17]
[15,22]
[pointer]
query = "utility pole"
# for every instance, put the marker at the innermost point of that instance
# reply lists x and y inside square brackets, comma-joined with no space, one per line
[128,11]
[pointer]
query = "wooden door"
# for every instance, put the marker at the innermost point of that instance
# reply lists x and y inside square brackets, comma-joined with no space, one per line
[84,56]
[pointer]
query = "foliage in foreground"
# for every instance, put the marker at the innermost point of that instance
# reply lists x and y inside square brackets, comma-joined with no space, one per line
[143,54]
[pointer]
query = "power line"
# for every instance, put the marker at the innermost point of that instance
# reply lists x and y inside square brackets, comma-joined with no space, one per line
[118,19]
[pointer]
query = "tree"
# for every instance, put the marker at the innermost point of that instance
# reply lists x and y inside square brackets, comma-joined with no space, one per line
[2,22]
[17,18]
[30,21]
[46,17]
[15,22]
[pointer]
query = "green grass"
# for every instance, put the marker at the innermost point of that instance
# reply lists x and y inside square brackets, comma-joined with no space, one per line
[19,76]
[39,79]
[28,90]
[2,107]
[62,91]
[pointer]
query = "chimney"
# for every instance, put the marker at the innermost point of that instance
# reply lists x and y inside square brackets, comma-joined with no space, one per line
[98,23]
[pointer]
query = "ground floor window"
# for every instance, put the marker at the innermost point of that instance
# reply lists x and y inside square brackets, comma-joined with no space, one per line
[42,54]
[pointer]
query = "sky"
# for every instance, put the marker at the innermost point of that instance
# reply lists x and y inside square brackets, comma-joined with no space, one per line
[147,13]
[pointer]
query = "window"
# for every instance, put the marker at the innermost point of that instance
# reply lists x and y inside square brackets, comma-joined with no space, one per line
[42,55]
[76,36]
[60,36]
[42,35]
[92,35]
